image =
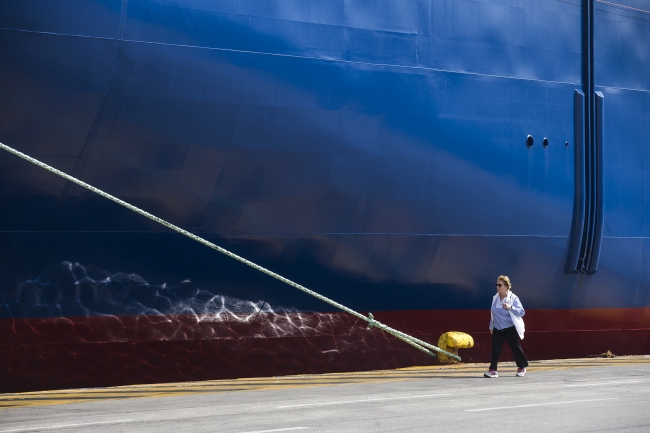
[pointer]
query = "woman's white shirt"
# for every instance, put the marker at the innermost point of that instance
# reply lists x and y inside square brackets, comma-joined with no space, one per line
[516,311]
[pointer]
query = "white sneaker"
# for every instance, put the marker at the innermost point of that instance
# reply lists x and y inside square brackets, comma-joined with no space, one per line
[492,373]
[521,372]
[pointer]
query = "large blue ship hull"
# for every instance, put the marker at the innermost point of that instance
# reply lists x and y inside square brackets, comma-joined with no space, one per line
[375,153]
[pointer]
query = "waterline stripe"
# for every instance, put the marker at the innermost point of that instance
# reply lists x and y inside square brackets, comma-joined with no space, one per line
[55,427]
[367,400]
[541,404]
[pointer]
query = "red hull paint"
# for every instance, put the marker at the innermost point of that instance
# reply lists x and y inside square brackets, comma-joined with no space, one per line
[50,353]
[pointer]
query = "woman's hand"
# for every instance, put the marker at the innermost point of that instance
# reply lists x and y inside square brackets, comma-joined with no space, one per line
[491,331]
[506,306]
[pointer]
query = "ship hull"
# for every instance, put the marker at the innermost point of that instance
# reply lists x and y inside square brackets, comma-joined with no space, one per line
[379,156]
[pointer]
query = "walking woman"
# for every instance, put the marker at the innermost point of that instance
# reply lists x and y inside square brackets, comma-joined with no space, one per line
[506,324]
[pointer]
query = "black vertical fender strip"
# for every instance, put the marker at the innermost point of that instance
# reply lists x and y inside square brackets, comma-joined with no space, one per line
[580,189]
[600,191]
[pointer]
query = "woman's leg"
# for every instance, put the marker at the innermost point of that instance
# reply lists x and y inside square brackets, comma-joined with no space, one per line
[515,345]
[498,337]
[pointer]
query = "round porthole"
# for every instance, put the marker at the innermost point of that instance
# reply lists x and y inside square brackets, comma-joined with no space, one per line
[529,141]
[545,142]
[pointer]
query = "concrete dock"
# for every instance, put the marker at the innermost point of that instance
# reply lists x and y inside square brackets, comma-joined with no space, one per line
[555,396]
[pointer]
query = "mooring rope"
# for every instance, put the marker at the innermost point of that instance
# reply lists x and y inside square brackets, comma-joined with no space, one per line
[419,344]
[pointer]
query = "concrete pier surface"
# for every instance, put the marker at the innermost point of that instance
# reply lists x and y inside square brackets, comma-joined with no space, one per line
[584,395]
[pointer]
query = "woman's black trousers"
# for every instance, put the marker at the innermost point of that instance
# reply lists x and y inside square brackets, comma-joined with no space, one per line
[510,334]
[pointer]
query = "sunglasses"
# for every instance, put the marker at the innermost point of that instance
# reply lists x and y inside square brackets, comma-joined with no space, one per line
[498,284]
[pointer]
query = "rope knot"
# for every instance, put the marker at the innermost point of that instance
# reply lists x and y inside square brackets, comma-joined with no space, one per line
[371,322]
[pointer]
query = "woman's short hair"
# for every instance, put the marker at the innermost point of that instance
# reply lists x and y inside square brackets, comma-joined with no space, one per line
[505,280]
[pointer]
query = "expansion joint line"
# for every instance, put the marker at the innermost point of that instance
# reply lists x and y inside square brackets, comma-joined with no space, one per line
[417,343]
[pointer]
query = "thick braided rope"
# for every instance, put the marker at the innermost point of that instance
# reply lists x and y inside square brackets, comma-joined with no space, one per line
[419,344]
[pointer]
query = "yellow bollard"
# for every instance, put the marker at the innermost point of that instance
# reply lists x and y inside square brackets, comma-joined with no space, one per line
[451,342]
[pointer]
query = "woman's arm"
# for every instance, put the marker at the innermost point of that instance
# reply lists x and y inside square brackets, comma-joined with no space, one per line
[516,307]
